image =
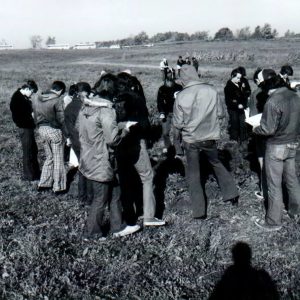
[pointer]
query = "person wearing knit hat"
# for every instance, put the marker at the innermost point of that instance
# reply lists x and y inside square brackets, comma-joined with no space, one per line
[198,113]
[280,123]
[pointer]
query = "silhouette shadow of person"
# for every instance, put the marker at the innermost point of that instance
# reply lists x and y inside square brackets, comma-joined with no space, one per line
[162,170]
[241,281]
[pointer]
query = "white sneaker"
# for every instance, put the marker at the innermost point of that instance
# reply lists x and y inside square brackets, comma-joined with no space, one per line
[153,222]
[127,230]
[259,195]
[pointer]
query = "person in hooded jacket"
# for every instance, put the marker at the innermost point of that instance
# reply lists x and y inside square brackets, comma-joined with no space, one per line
[99,134]
[49,118]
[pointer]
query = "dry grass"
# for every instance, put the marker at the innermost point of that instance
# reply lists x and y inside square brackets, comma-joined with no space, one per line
[42,254]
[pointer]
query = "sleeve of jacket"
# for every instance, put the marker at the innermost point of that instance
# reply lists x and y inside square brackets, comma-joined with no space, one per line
[221,114]
[108,122]
[60,117]
[178,120]
[230,97]
[160,101]
[269,120]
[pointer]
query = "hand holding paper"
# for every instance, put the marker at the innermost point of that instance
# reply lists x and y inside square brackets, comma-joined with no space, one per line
[254,120]
[129,124]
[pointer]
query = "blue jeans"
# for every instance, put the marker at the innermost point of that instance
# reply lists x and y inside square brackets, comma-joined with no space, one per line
[280,167]
[224,178]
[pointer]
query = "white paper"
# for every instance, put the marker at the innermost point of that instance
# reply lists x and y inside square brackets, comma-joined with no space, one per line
[254,120]
[73,161]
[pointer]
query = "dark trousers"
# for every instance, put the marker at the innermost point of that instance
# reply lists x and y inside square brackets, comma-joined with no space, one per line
[224,178]
[105,194]
[281,168]
[237,126]
[31,168]
[85,189]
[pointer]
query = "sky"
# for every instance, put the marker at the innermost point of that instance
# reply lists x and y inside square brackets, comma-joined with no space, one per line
[76,21]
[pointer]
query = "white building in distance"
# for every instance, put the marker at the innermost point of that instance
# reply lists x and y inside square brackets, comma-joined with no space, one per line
[85,46]
[58,47]
[5,47]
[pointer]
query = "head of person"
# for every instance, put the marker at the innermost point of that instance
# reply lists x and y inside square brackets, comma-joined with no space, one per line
[255,79]
[72,90]
[106,86]
[83,89]
[169,81]
[236,76]
[286,71]
[188,74]
[242,70]
[267,79]
[58,87]
[29,88]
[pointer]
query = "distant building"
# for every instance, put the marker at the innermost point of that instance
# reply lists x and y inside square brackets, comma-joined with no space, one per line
[85,46]
[5,47]
[58,47]
[116,46]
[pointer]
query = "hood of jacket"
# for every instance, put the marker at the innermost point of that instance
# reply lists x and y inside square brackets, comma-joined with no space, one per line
[48,95]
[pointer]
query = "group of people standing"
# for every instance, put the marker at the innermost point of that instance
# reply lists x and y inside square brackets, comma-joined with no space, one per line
[108,128]
[165,68]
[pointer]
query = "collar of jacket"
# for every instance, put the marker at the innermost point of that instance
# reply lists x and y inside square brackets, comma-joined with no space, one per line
[192,83]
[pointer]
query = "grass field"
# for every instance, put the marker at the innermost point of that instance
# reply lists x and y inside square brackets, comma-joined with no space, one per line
[42,253]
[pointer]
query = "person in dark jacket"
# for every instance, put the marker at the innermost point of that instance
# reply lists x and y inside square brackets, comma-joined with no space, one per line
[195,63]
[236,102]
[132,151]
[165,103]
[82,90]
[21,109]
[49,118]
[244,83]
[280,122]
[180,63]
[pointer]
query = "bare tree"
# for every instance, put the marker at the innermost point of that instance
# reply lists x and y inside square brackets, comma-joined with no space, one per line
[36,41]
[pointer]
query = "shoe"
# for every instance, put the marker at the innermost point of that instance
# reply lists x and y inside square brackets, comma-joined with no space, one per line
[201,218]
[43,188]
[234,201]
[57,193]
[259,195]
[154,222]
[264,225]
[127,230]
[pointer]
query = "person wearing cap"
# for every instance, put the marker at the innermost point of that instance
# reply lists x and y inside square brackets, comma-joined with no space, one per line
[21,109]
[164,66]
[49,118]
[236,102]
[280,123]
[165,103]
[198,113]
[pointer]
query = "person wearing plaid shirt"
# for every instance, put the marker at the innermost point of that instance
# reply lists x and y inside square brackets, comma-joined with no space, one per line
[49,118]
